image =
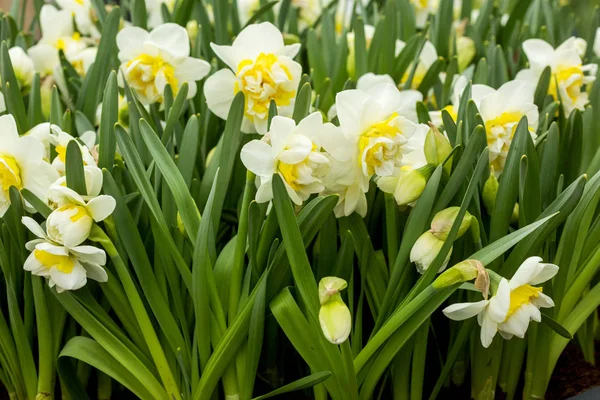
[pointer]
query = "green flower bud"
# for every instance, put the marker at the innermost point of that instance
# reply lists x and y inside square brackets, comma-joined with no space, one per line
[442,223]
[425,250]
[334,315]
[192,29]
[437,148]
[465,51]
[463,272]
[289,38]
[411,184]
[490,190]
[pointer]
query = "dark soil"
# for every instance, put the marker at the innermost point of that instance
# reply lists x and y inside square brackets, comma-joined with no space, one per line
[573,374]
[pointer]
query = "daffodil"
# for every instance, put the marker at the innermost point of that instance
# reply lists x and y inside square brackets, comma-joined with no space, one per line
[71,223]
[83,14]
[501,111]
[261,67]
[423,8]
[57,34]
[154,11]
[569,75]
[22,164]
[22,65]
[151,60]
[514,303]
[246,9]
[374,141]
[65,269]
[58,194]
[308,12]
[427,57]
[294,152]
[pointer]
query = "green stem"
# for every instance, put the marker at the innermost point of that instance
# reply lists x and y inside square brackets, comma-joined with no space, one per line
[391,229]
[137,305]
[47,372]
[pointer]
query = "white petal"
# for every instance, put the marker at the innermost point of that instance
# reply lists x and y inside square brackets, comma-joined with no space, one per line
[488,330]
[219,92]
[461,311]
[256,157]
[547,272]
[281,130]
[73,281]
[130,41]
[171,39]
[34,227]
[101,207]
[526,272]
[500,302]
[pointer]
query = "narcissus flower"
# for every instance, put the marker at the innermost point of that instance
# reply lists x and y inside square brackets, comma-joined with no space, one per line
[261,67]
[57,34]
[569,75]
[426,59]
[83,14]
[246,9]
[22,164]
[154,11]
[422,10]
[375,140]
[67,269]
[334,315]
[501,111]
[151,60]
[22,65]
[292,151]
[514,303]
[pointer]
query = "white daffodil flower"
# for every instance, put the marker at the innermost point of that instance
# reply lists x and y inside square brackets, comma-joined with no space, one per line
[65,269]
[246,9]
[426,59]
[154,11]
[22,65]
[261,67]
[410,98]
[459,82]
[22,164]
[57,34]
[294,153]
[71,223]
[374,140]
[515,303]
[58,194]
[425,250]
[151,60]
[423,8]
[569,75]
[308,12]
[84,15]
[501,111]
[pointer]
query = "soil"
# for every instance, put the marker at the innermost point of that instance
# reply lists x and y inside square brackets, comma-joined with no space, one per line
[573,375]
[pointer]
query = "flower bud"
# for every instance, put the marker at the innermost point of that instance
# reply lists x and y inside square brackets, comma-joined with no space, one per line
[437,148]
[465,51]
[22,65]
[192,30]
[411,184]
[463,272]
[490,190]
[442,223]
[425,250]
[334,315]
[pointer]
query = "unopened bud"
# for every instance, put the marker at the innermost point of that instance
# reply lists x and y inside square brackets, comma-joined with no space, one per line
[334,315]
[192,29]
[437,147]
[490,190]
[442,223]
[465,51]
[411,184]
[463,272]
[425,250]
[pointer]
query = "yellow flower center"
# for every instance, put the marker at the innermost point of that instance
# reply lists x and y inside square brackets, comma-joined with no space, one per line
[142,72]
[291,173]
[377,153]
[261,81]
[521,296]
[77,212]
[10,173]
[420,4]
[497,129]
[64,264]
[80,2]
[61,44]
[450,109]
[417,77]
[561,76]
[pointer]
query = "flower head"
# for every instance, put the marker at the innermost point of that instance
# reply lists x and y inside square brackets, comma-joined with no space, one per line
[65,269]
[261,67]
[151,60]
[294,152]
[426,59]
[569,75]
[514,304]
[22,65]
[84,16]
[22,164]
[334,315]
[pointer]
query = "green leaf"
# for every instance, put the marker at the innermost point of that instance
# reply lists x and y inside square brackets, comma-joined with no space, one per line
[556,327]
[303,102]
[139,16]
[10,89]
[541,91]
[38,204]
[74,168]
[360,48]
[259,13]
[109,117]
[304,383]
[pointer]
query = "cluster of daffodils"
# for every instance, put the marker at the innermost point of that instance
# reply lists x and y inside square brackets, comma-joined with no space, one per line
[59,253]
[513,303]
